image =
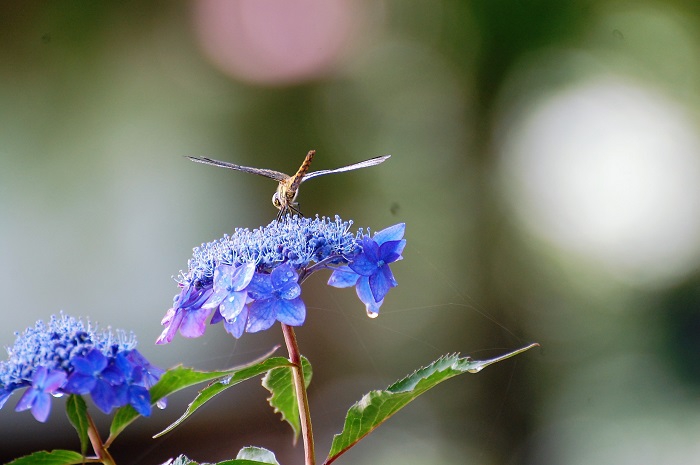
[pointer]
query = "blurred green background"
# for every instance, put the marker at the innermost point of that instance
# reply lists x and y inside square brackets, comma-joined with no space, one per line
[545,157]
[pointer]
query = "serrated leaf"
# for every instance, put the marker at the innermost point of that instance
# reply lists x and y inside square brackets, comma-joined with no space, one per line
[222,383]
[257,454]
[280,383]
[179,378]
[183,460]
[76,409]
[55,457]
[377,406]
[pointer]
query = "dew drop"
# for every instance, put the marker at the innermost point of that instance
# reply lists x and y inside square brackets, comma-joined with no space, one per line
[372,314]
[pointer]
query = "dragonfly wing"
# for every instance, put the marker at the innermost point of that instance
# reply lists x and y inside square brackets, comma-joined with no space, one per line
[272,174]
[362,164]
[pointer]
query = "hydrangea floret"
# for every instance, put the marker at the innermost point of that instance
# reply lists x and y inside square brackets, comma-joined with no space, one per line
[70,356]
[251,279]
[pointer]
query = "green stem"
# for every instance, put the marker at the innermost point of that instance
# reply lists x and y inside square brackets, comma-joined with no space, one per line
[300,389]
[100,450]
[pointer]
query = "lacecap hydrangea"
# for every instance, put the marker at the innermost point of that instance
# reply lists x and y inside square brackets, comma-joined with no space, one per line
[70,356]
[251,279]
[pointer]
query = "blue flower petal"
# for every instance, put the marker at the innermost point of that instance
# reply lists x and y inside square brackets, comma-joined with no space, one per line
[233,305]
[365,294]
[4,395]
[380,282]
[260,286]
[343,277]
[391,251]
[392,233]
[290,291]
[261,315]
[140,399]
[237,325]
[291,312]
[103,395]
[282,276]
[365,264]
[114,375]
[79,383]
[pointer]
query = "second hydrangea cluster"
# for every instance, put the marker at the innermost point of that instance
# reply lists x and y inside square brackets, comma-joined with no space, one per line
[69,356]
[251,279]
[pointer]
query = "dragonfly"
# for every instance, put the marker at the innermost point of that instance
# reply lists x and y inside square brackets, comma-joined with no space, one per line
[284,198]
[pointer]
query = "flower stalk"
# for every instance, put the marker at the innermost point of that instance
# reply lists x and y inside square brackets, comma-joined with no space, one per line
[300,392]
[97,445]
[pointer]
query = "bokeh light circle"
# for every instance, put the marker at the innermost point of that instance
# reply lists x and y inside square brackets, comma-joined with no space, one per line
[609,170]
[272,42]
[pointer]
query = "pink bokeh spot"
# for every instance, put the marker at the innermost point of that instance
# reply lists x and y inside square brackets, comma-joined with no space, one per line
[274,42]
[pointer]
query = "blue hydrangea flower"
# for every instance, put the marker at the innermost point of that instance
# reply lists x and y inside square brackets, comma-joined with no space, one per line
[275,298]
[251,279]
[369,270]
[38,397]
[69,356]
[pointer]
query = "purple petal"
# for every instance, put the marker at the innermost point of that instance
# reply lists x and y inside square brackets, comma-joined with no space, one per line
[237,325]
[222,277]
[261,315]
[54,380]
[365,294]
[291,312]
[41,407]
[27,399]
[173,320]
[381,281]
[233,305]
[343,277]
[215,298]
[216,317]
[392,233]
[194,322]
[242,276]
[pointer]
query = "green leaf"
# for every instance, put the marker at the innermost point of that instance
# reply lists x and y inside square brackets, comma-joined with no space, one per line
[55,457]
[179,378]
[257,454]
[377,406]
[283,395]
[76,409]
[225,380]
[183,460]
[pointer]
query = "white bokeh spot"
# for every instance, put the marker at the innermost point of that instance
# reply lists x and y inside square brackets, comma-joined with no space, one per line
[609,170]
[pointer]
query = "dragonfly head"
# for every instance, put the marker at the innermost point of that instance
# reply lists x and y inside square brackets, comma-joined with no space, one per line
[276,201]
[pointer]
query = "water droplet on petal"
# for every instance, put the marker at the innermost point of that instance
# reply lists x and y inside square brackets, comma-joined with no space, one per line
[372,314]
